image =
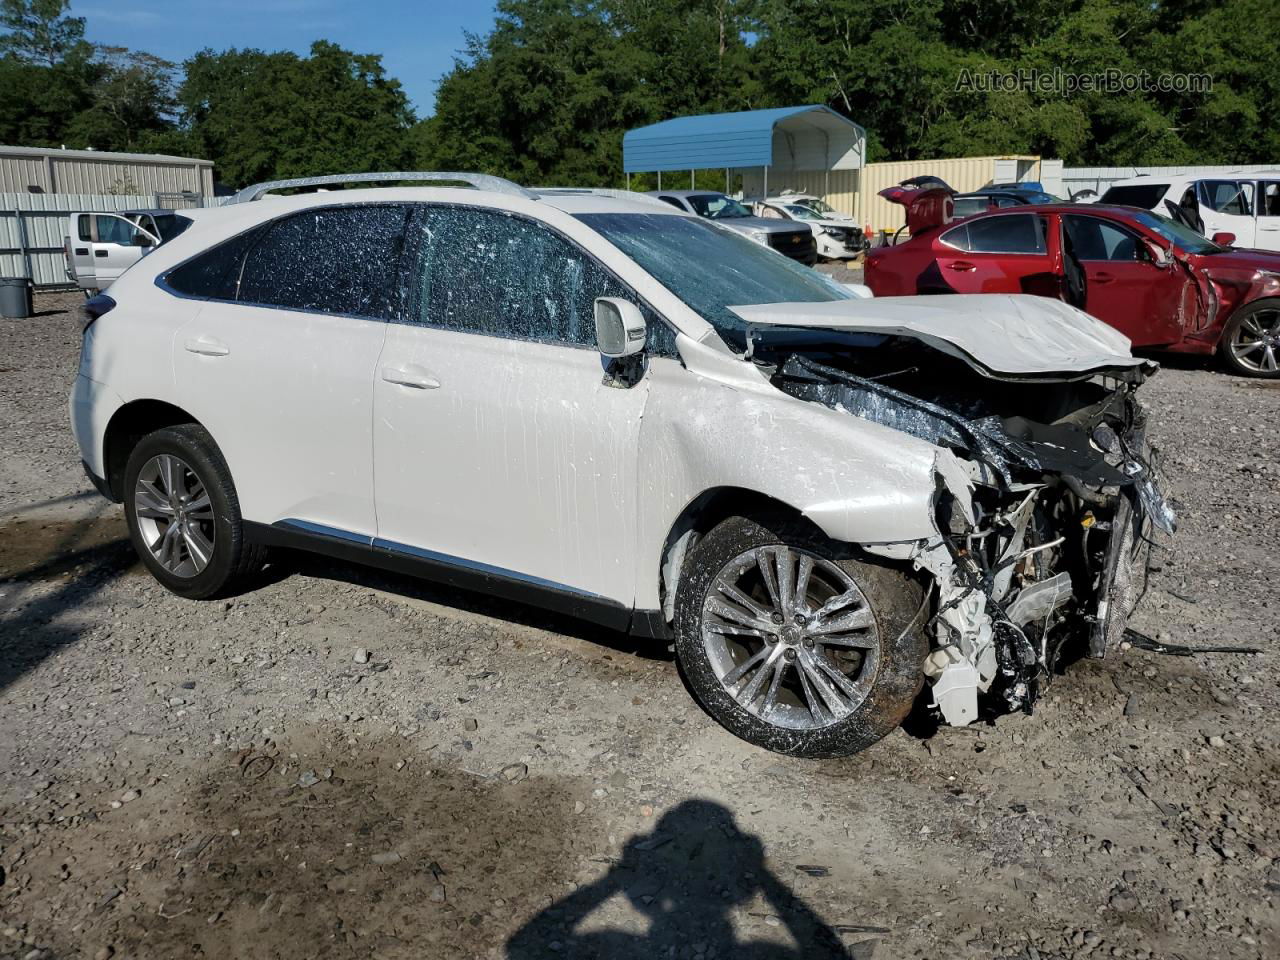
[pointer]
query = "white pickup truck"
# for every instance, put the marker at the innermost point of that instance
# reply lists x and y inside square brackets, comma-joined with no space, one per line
[101,246]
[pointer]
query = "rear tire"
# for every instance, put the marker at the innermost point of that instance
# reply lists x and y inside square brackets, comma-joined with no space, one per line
[836,682]
[184,516]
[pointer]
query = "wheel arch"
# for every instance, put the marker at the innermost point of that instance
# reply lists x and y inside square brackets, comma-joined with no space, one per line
[698,517]
[127,426]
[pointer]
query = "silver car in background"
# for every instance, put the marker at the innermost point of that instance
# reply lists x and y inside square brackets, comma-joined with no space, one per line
[791,239]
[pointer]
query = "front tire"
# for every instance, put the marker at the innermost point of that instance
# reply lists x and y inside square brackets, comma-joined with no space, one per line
[1251,341]
[796,643]
[184,516]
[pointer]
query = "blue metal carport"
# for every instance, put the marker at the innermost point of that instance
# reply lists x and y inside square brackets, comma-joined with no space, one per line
[808,138]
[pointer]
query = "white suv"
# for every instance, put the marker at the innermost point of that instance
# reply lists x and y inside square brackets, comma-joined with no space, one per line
[590,401]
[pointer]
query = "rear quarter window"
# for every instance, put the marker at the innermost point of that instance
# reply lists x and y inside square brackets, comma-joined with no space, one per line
[214,274]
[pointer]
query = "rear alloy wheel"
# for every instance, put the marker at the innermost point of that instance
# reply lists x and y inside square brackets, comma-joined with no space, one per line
[1251,342]
[793,643]
[184,515]
[175,515]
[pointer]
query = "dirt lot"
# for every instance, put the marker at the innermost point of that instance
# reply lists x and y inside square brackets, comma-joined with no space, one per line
[236,779]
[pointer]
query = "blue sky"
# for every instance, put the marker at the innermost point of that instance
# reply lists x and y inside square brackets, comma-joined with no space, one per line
[417,38]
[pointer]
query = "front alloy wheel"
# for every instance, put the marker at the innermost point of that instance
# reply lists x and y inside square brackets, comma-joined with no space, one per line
[1252,341]
[797,643]
[790,637]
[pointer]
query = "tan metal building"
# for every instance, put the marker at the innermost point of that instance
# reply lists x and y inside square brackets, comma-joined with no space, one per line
[857,191]
[44,170]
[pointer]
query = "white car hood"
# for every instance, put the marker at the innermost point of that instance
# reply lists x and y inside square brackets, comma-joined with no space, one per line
[1001,336]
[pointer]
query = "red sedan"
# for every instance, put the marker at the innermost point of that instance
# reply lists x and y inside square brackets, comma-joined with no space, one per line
[1161,284]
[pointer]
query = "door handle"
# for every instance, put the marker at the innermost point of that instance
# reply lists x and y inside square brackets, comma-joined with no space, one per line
[410,375]
[82,251]
[1102,277]
[962,265]
[207,347]
[99,253]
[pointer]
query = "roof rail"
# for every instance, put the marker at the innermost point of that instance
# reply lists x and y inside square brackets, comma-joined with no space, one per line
[481,181]
[600,192]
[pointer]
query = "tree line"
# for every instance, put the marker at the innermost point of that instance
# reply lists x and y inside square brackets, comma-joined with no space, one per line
[547,93]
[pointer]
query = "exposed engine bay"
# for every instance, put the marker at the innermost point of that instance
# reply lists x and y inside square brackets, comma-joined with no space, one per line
[1045,513]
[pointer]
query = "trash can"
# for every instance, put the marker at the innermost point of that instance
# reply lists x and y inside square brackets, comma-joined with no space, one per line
[15,297]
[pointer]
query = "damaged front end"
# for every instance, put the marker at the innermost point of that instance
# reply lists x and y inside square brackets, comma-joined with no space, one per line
[1047,499]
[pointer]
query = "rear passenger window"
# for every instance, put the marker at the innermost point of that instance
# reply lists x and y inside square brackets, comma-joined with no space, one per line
[1010,234]
[482,271]
[344,260]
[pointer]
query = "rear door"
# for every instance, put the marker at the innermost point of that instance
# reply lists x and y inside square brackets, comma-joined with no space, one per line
[1226,206]
[1123,285]
[1000,253]
[1268,230]
[279,363]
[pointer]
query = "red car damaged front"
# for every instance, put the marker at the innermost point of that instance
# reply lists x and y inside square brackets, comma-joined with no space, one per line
[1157,281]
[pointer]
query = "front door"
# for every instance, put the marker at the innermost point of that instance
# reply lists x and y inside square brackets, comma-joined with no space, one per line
[500,445]
[1123,285]
[1226,206]
[1268,230]
[282,377]
[117,245]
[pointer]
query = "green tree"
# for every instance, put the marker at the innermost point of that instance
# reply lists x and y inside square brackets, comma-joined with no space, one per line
[548,94]
[262,116]
[39,31]
[132,100]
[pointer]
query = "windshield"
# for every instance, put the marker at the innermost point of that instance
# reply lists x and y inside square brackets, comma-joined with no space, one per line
[800,212]
[170,225]
[716,206]
[1036,196]
[711,268]
[1145,195]
[818,206]
[1184,237]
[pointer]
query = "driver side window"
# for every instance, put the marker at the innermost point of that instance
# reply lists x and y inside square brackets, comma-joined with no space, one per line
[494,273]
[1232,197]
[1095,239]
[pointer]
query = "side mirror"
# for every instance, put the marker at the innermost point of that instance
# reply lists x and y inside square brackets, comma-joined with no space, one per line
[620,330]
[140,239]
[1159,256]
[859,290]
[1224,239]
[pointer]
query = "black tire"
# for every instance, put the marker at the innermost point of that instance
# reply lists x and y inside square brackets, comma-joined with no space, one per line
[233,560]
[893,596]
[1265,316]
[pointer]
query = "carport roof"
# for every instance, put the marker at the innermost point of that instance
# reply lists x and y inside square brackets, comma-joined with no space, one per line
[746,139]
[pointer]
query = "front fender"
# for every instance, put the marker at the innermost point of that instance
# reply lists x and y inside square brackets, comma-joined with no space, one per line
[860,482]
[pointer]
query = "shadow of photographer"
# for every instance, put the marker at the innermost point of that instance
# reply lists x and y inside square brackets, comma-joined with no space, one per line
[687,878]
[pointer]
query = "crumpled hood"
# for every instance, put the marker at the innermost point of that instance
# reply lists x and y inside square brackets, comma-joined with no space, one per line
[1001,336]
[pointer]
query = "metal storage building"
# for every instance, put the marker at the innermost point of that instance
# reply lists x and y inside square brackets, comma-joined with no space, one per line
[45,170]
[784,139]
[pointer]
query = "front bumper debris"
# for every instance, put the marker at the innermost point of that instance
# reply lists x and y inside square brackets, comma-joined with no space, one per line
[1044,527]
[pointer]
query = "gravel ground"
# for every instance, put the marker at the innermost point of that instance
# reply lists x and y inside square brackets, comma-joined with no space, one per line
[343,763]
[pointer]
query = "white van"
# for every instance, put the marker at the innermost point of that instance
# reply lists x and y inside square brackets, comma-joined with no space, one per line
[1245,205]
[101,246]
